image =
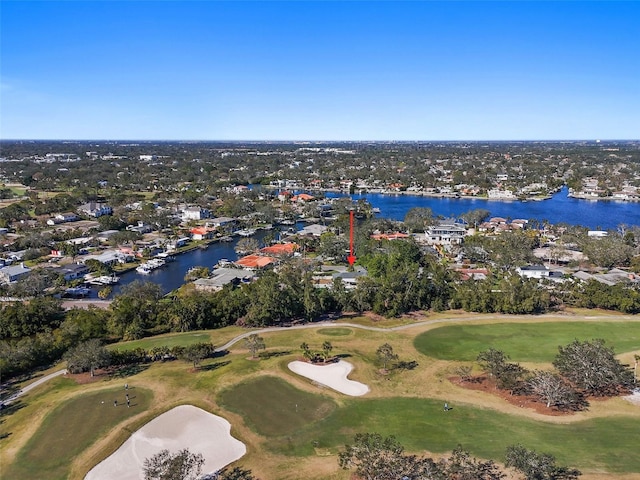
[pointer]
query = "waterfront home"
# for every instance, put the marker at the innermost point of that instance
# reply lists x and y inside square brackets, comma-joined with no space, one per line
[13,273]
[255,262]
[314,230]
[223,276]
[109,257]
[222,221]
[497,194]
[302,198]
[73,271]
[201,233]
[280,249]
[446,232]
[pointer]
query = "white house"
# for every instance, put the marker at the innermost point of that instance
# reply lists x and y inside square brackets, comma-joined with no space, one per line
[534,271]
[94,209]
[314,229]
[194,213]
[447,232]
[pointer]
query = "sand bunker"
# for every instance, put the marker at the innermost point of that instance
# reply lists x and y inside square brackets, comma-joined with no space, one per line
[333,375]
[634,397]
[185,426]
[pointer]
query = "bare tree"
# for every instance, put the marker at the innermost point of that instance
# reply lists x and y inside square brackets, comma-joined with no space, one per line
[254,342]
[555,391]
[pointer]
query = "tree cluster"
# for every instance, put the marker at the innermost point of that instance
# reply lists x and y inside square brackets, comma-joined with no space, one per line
[374,457]
[585,368]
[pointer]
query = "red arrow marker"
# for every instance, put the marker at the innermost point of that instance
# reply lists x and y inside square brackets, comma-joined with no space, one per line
[351,258]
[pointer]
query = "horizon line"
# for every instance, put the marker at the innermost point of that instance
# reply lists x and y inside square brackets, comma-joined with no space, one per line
[596,140]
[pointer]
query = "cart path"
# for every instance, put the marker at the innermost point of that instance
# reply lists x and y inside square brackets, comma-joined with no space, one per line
[338,323]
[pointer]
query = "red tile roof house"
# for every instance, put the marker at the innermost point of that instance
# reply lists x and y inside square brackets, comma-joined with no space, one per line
[390,236]
[254,262]
[280,249]
[201,233]
[302,198]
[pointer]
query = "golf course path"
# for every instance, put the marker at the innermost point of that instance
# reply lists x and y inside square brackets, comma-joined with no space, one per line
[33,385]
[337,323]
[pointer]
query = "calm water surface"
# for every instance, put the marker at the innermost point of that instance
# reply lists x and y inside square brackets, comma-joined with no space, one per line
[558,209]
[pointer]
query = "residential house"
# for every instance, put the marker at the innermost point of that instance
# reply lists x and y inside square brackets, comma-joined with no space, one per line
[611,277]
[109,257]
[314,230]
[140,228]
[255,262]
[280,249]
[202,233]
[538,272]
[13,273]
[93,209]
[194,213]
[63,218]
[73,271]
[390,236]
[223,276]
[221,222]
[446,232]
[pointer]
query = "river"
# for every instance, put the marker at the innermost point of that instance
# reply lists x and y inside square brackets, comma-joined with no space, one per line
[603,214]
[558,209]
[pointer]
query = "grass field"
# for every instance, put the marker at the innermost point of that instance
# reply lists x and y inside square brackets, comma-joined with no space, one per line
[421,424]
[523,342]
[293,428]
[69,428]
[217,337]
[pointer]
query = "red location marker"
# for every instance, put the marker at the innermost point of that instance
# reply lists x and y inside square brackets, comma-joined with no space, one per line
[351,258]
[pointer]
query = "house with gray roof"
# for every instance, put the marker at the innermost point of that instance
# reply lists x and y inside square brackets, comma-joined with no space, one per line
[13,273]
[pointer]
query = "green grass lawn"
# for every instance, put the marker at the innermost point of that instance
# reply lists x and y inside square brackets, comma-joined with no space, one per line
[170,340]
[523,342]
[273,407]
[335,332]
[69,428]
[421,424]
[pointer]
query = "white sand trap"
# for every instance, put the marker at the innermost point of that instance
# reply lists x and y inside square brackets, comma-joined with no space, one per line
[333,375]
[634,397]
[185,426]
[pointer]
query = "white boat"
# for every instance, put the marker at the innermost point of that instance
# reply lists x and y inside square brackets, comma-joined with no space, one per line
[144,269]
[247,232]
[223,262]
[77,291]
[167,257]
[156,263]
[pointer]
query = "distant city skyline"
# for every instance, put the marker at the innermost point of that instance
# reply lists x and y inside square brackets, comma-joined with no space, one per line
[335,71]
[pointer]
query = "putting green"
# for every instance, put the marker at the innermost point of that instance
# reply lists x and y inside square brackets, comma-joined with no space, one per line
[273,407]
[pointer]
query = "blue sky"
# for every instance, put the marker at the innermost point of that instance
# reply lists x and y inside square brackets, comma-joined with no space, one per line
[214,70]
